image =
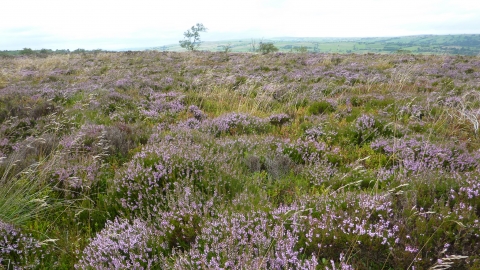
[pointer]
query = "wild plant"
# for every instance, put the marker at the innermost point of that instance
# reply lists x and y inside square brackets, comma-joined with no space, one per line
[18,250]
[121,245]
[253,240]
[234,124]
[24,194]
[24,197]
[417,155]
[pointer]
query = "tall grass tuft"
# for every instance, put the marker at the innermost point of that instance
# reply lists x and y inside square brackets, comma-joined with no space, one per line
[24,195]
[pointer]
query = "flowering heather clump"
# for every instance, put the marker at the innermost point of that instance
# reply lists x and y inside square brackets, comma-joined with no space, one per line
[234,123]
[167,80]
[416,156]
[319,171]
[343,264]
[197,113]
[187,207]
[471,188]
[314,133]
[124,83]
[17,250]
[366,128]
[175,106]
[122,245]
[159,103]
[190,123]
[90,138]
[82,156]
[416,111]
[368,218]
[252,240]
[365,123]
[152,173]
[304,150]
[28,73]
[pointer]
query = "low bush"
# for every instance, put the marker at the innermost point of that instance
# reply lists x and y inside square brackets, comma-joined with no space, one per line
[320,107]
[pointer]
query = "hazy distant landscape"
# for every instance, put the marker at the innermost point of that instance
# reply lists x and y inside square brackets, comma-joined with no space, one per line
[424,44]
[427,44]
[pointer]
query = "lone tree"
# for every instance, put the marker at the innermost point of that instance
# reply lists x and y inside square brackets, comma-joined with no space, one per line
[191,39]
[268,47]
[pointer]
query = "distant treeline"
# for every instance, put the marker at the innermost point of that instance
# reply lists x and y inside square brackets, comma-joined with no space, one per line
[422,44]
[46,52]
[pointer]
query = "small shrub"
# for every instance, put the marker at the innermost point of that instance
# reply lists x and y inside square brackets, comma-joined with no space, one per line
[279,166]
[252,240]
[416,155]
[124,83]
[120,139]
[366,129]
[42,109]
[355,101]
[17,250]
[267,47]
[144,183]
[197,113]
[234,123]
[28,152]
[279,119]
[122,245]
[314,133]
[27,51]
[320,107]
[254,163]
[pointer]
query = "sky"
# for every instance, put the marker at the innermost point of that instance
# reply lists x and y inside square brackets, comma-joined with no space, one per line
[130,24]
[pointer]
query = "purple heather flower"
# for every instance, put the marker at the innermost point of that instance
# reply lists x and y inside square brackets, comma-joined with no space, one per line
[121,245]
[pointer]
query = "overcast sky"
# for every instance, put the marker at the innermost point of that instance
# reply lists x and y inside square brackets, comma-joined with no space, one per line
[120,24]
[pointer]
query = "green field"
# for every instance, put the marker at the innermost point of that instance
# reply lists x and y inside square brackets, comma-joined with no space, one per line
[424,44]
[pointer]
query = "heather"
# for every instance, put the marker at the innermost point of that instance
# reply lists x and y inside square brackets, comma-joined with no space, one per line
[164,160]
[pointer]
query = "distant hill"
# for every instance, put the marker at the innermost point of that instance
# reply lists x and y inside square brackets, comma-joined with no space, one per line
[422,44]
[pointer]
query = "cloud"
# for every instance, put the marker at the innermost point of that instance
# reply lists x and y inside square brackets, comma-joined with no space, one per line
[24,37]
[110,24]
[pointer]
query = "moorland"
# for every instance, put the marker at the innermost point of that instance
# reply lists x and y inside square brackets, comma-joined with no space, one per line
[208,160]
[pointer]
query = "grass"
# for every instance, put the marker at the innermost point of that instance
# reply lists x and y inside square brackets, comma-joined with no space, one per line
[207,160]
[22,197]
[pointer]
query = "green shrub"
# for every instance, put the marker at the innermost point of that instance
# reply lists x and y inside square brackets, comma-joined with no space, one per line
[266,48]
[320,107]
[27,51]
